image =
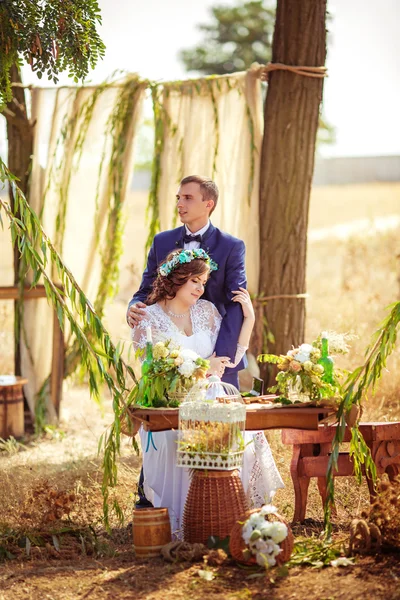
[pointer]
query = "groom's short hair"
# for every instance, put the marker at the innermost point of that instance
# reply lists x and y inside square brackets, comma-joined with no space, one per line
[208,187]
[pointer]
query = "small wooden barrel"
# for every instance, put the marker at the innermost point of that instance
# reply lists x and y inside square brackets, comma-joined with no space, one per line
[151,530]
[12,409]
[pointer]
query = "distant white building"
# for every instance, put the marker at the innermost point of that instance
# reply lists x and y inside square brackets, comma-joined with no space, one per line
[356,169]
[328,171]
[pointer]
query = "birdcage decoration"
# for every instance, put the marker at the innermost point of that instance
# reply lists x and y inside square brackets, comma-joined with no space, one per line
[211,427]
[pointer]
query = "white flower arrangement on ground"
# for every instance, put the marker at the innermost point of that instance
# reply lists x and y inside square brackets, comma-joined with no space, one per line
[263,537]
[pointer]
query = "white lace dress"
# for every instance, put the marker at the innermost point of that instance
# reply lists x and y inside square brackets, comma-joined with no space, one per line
[165,484]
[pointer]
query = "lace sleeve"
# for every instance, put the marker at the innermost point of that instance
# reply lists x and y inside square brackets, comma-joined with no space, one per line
[207,319]
[240,352]
[215,320]
[138,334]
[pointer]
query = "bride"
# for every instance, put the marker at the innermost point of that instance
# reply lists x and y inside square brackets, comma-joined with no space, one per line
[176,312]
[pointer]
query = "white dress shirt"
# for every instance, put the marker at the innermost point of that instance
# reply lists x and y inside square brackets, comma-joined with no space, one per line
[194,245]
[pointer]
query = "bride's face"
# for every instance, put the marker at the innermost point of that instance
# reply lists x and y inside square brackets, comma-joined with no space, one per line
[193,289]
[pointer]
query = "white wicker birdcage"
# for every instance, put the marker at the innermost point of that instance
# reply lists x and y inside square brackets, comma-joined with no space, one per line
[211,427]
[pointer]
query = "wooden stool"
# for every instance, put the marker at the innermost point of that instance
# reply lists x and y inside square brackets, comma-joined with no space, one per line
[311,451]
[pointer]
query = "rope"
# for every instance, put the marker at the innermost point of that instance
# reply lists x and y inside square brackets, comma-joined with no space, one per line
[263,70]
[260,71]
[178,551]
[263,299]
[364,537]
[183,551]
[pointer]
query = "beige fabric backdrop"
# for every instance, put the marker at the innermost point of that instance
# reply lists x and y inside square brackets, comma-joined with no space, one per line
[191,136]
[83,239]
[214,129]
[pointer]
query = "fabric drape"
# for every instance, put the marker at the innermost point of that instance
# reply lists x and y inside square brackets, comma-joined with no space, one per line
[82,163]
[76,185]
[213,127]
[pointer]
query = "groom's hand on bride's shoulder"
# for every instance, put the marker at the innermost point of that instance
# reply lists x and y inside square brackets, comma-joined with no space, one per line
[135,314]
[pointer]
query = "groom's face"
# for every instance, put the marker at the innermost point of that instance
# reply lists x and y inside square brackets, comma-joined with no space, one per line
[193,210]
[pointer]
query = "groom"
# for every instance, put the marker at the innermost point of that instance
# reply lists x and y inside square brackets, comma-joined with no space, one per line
[196,198]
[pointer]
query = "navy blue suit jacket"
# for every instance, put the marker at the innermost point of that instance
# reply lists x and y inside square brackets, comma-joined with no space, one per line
[229,253]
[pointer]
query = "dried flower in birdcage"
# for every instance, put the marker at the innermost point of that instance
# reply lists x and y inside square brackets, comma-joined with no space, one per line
[211,427]
[204,437]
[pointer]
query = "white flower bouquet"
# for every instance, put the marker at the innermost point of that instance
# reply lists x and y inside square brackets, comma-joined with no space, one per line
[307,373]
[172,371]
[263,538]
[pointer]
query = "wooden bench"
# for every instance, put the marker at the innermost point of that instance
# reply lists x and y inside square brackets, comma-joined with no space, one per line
[311,450]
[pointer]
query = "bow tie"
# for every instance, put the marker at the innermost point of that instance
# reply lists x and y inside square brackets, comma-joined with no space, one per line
[191,238]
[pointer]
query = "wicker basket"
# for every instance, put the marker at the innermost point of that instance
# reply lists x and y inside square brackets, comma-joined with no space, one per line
[215,501]
[176,398]
[237,544]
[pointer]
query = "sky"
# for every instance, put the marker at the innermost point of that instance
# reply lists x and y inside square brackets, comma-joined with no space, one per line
[361,93]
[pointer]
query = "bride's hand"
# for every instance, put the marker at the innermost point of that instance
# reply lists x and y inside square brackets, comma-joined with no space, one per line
[243,297]
[217,364]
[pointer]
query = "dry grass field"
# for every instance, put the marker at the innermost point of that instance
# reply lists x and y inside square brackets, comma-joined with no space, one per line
[353,274]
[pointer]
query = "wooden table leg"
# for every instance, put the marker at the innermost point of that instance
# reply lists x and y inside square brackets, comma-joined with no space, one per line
[386,456]
[300,483]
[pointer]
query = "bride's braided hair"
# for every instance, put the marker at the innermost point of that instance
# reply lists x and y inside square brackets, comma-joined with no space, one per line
[165,287]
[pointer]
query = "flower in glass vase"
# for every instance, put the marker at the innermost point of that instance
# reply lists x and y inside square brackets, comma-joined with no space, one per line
[308,373]
[171,372]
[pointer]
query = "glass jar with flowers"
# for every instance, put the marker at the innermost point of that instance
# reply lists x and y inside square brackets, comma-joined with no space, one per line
[308,373]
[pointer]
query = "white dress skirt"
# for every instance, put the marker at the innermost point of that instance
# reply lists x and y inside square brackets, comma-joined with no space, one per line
[166,484]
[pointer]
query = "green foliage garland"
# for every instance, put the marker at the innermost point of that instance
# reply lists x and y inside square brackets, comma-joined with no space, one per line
[356,387]
[119,128]
[153,210]
[101,358]
[164,126]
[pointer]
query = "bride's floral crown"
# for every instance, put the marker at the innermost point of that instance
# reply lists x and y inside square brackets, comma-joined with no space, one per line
[186,256]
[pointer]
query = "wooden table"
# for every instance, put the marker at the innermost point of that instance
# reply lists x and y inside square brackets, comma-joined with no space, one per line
[258,416]
[311,452]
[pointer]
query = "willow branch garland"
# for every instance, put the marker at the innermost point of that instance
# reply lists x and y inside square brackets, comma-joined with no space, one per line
[356,387]
[119,128]
[211,86]
[38,251]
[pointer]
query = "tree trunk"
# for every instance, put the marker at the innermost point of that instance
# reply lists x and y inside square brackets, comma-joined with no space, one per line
[287,163]
[20,149]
